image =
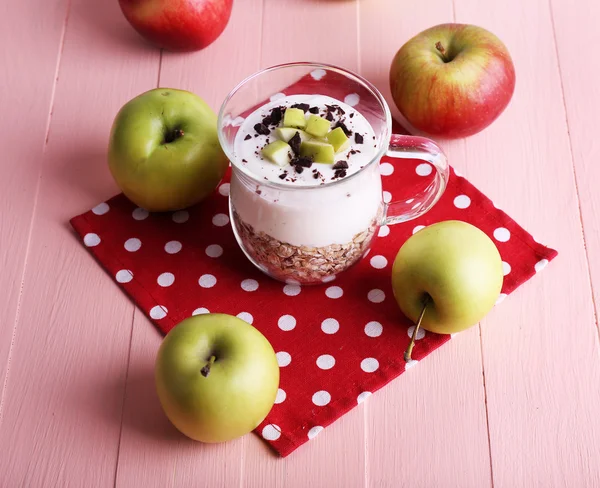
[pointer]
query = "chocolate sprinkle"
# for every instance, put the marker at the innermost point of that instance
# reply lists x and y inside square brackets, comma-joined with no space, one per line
[302,106]
[267,120]
[351,115]
[341,165]
[340,173]
[347,131]
[248,136]
[294,143]
[359,139]
[329,116]
[244,161]
[283,175]
[316,175]
[262,129]
[299,169]
[303,162]
[276,115]
[314,110]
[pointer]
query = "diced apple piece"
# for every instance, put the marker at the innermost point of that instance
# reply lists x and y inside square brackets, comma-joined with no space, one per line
[320,152]
[294,117]
[317,126]
[278,152]
[337,138]
[286,133]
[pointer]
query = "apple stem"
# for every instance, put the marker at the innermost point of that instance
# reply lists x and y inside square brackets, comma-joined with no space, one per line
[205,371]
[408,352]
[442,51]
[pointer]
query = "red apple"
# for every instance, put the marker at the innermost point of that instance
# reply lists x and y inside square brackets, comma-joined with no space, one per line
[452,80]
[178,25]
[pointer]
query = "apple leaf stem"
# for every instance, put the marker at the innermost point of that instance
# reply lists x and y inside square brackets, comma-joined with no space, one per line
[205,371]
[442,50]
[408,352]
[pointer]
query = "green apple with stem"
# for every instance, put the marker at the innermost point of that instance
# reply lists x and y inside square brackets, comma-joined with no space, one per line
[216,377]
[164,152]
[447,277]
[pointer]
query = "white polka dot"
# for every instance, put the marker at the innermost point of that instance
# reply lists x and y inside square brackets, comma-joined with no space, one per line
[387,197]
[352,99]
[378,262]
[500,298]
[158,312]
[409,364]
[420,332]
[277,96]
[314,431]
[101,209]
[326,361]
[373,329]
[220,220]
[271,432]
[180,217]
[318,74]
[283,358]
[286,322]
[214,251]
[369,365]
[376,295]
[424,169]
[91,239]
[173,247]
[363,396]
[292,290]
[224,189]
[418,228]
[321,398]
[462,201]
[124,276]
[207,281]
[237,121]
[502,234]
[384,231]
[249,285]
[140,213]
[505,268]
[166,279]
[281,396]
[386,169]
[200,311]
[246,317]
[540,265]
[330,326]
[328,279]
[334,292]
[133,244]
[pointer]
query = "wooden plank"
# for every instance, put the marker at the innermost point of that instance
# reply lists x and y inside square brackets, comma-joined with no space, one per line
[427,428]
[337,456]
[64,397]
[29,71]
[152,452]
[575,31]
[540,347]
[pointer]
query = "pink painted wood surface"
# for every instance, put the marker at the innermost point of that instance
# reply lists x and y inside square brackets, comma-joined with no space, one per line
[508,404]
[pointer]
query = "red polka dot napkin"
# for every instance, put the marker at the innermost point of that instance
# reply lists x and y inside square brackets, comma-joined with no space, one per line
[337,343]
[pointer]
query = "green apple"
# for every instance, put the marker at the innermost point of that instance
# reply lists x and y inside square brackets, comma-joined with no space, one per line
[216,377]
[454,270]
[164,152]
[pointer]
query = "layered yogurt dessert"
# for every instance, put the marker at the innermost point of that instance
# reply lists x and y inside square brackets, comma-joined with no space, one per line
[304,214]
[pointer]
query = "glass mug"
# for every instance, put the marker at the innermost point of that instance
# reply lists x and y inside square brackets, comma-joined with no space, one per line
[307,234]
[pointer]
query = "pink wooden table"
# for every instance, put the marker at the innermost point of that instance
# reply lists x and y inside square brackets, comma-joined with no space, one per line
[514,402]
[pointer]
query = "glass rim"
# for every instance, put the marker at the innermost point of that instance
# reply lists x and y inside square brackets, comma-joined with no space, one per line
[308,64]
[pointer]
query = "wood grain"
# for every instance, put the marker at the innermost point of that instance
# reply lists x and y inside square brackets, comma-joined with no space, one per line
[63,401]
[26,101]
[540,346]
[576,31]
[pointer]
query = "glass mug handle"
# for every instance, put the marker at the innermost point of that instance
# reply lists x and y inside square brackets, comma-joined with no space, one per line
[414,147]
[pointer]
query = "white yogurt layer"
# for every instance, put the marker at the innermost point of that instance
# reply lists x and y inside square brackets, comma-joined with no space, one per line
[248,150]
